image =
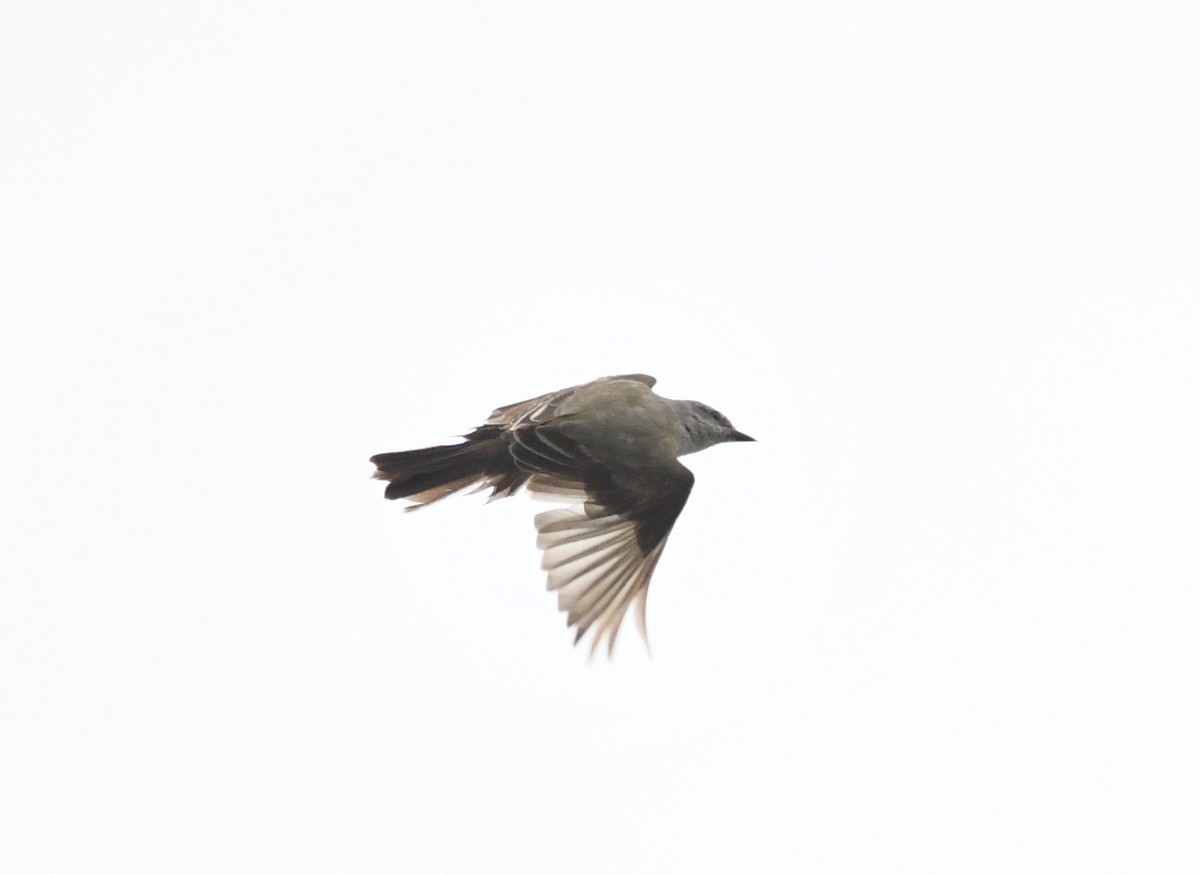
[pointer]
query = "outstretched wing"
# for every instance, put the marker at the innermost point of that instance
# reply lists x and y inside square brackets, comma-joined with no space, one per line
[600,555]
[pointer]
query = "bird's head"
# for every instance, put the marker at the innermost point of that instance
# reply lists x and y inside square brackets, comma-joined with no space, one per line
[704,427]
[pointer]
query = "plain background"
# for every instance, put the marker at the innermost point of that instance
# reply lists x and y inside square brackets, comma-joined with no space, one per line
[940,259]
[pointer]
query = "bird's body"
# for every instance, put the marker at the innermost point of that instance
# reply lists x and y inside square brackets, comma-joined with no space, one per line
[611,448]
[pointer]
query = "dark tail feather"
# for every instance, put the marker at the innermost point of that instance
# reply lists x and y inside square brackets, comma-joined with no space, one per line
[427,475]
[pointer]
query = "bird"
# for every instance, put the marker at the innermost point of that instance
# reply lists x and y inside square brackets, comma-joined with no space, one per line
[609,449]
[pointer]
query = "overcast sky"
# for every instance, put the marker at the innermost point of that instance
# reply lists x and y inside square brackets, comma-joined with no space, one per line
[940,259]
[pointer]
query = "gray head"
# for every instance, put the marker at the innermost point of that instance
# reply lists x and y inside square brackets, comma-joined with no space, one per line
[703,427]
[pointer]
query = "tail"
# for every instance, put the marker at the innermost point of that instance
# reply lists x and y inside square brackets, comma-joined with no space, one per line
[427,475]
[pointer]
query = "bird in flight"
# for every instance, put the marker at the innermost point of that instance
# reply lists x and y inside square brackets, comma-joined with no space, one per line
[609,448]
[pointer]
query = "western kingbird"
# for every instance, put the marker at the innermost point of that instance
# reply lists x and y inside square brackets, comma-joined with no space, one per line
[608,447]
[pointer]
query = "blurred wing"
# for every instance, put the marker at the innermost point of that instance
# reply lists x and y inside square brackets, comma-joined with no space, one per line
[600,556]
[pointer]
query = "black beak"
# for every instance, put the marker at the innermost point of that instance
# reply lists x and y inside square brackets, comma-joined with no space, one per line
[739,437]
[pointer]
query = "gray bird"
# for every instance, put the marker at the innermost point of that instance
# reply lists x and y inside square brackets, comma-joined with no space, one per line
[610,448]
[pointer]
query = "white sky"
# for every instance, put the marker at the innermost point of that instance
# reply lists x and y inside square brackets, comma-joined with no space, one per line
[940,260]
